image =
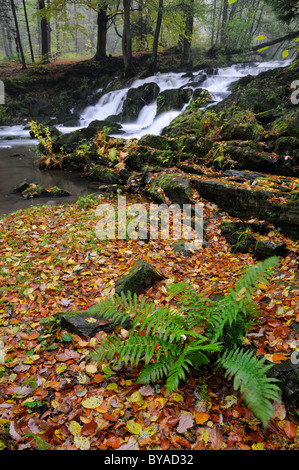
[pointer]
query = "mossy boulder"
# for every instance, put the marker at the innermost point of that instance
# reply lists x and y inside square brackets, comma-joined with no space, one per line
[136,99]
[102,175]
[138,279]
[176,188]
[173,99]
[35,190]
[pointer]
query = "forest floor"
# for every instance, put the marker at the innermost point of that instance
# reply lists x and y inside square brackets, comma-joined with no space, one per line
[54,396]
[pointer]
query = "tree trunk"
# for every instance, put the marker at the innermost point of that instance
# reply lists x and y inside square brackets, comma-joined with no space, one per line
[224,21]
[127,40]
[156,36]
[18,37]
[102,20]
[187,40]
[28,31]
[44,34]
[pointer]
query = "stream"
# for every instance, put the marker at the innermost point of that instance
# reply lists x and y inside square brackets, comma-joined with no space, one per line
[18,150]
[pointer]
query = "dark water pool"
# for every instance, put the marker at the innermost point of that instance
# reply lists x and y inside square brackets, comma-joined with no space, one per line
[18,163]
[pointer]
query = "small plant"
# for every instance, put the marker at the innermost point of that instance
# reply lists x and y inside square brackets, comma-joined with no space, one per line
[170,340]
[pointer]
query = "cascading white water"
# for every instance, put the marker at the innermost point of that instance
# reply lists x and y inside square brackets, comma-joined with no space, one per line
[111,103]
[217,84]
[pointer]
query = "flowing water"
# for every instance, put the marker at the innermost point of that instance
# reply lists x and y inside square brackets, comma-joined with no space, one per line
[17,149]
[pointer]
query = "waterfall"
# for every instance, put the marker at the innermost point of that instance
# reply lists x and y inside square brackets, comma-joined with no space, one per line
[217,82]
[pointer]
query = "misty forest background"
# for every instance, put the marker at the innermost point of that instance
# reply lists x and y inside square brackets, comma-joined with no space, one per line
[32,31]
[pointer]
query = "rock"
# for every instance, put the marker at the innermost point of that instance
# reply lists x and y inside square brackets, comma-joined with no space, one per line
[139,278]
[158,142]
[36,190]
[245,203]
[136,99]
[109,125]
[102,175]
[184,248]
[265,249]
[173,99]
[176,188]
[233,231]
[89,322]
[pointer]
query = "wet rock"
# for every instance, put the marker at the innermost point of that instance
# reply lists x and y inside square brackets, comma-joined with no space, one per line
[136,99]
[20,187]
[89,322]
[36,190]
[173,99]
[265,249]
[139,278]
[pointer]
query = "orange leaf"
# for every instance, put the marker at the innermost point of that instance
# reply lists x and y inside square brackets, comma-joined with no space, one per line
[290,429]
[114,442]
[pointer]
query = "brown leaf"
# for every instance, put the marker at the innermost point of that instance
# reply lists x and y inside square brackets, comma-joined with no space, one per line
[146,390]
[89,429]
[66,355]
[216,438]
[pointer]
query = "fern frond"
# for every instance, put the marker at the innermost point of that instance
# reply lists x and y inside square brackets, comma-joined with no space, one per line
[250,376]
[176,372]
[155,371]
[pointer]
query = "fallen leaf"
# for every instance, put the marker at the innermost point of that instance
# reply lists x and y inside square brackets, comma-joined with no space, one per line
[290,429]
[134,427]
[146,391]
[66,355]
[186,422]
[92,402]
[201,417]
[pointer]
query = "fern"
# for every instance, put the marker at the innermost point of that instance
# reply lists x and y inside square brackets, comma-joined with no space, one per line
[169,340]
[250,376]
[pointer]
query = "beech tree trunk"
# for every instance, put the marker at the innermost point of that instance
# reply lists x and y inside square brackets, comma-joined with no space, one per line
[156,36]
[18,37]
[102,20]
[44,34]
[187,40]
[127,40]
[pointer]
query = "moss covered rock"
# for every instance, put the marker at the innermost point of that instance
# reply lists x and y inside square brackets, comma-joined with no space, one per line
[139,278]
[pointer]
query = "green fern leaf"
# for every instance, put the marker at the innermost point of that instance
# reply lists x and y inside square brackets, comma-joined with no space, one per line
[250,376]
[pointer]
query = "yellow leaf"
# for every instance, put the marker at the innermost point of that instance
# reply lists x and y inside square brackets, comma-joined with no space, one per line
[285,53]
[257,446]
[177,397]
[112,386]
[61,369]
[258,38]
[262,286]
[136,397]
[133,427]
[74,427]
[81,442]
[92,402]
